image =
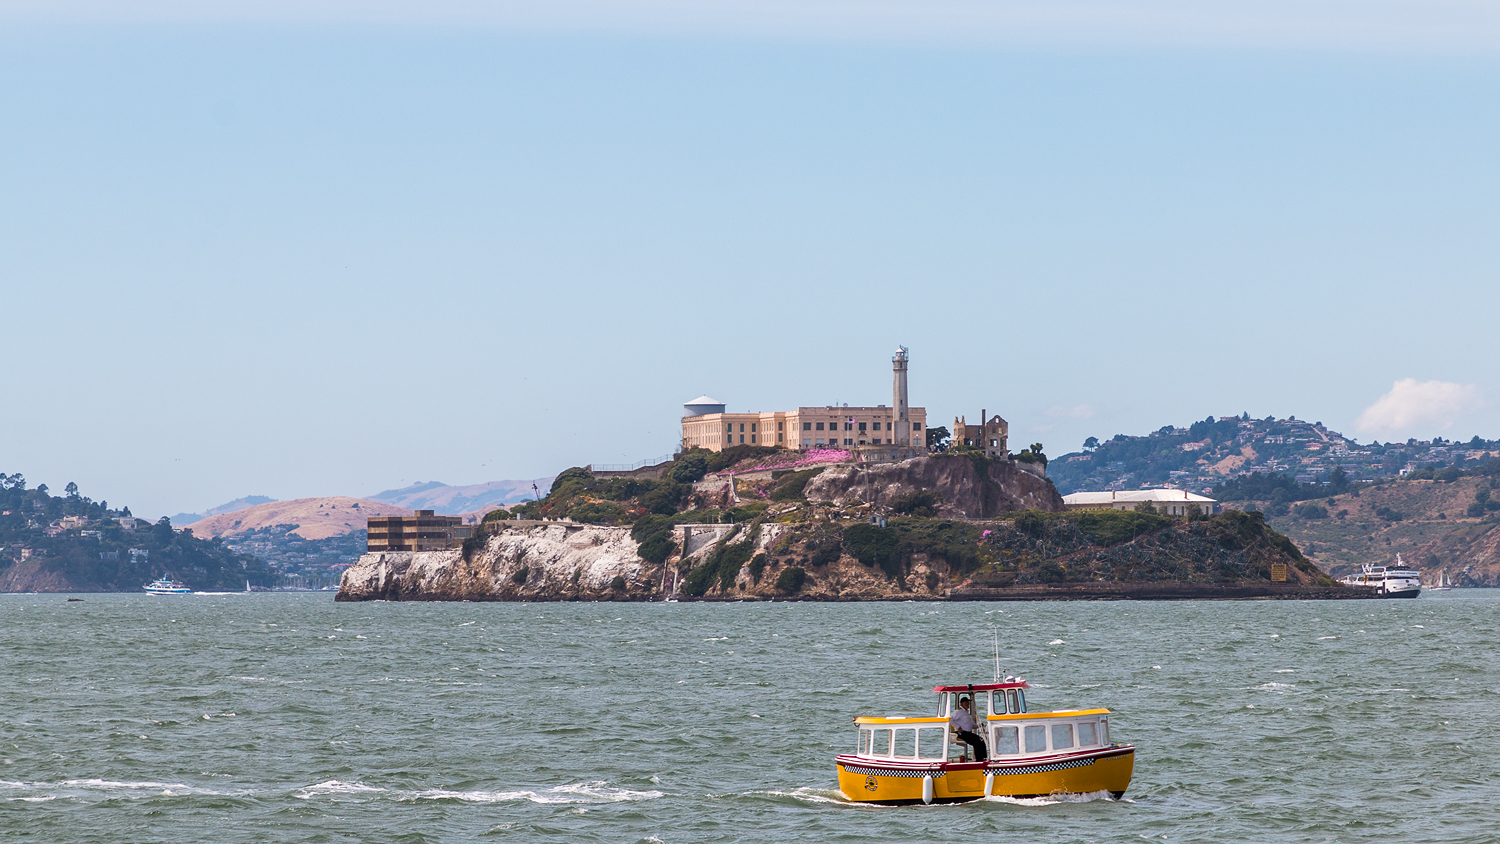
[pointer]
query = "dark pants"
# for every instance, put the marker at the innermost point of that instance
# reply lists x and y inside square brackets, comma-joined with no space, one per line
[974,741]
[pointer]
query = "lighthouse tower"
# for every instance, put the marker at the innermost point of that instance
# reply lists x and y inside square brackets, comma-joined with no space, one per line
[898,397]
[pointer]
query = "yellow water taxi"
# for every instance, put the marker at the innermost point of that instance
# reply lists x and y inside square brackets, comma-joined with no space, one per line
[1030,754]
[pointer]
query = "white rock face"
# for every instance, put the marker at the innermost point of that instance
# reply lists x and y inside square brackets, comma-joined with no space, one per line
[561,560]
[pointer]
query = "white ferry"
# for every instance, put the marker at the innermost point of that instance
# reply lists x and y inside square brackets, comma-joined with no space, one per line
[1396,581]
[1031,754]
[167,586]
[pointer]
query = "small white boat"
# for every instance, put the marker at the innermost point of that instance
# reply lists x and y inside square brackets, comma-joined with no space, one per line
[1443,584]
[167,586]
[1396,581]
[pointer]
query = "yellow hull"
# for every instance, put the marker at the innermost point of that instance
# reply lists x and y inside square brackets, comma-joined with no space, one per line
[863,782]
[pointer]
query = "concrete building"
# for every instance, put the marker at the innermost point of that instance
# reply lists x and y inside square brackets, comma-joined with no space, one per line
[421,531]
[706,425]
[991,436]
[1171,502]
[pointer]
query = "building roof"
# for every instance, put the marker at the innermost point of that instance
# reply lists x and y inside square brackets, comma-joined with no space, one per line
[1136,495]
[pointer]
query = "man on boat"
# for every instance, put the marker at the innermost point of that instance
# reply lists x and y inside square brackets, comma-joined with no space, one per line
[962,721]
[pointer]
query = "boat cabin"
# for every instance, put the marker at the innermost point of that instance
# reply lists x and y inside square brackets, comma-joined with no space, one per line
[1009,729]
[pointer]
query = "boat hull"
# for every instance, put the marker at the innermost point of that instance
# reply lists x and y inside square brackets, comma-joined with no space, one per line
[1110,769]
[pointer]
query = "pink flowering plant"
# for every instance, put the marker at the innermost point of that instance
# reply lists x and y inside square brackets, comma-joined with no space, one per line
[793,460]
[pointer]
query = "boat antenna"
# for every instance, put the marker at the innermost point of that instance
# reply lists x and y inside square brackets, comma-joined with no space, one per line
[997,655]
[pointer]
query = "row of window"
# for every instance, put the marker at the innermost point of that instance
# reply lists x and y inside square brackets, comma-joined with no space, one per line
[930,743]
[847,441]
[849,426]
[729,427]
[729,438]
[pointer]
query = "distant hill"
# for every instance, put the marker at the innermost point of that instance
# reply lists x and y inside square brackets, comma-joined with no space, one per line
[71,543]
[1438,527]
[237,504]
[314,518]
[1207,453]
[455,500]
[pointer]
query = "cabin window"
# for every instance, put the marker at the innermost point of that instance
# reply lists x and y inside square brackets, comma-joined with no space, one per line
[863,749]
[1087,734]
[1007,741]
[1011,697]
[1062,736]
[1036,738]
[906,744]
[1104,731]
[880,742]
[1021,696]
[932,743]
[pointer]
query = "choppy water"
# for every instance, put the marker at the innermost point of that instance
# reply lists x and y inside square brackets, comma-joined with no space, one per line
[291,718]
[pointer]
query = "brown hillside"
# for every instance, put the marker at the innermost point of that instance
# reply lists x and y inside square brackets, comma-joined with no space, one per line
[316,518]
[1434,534]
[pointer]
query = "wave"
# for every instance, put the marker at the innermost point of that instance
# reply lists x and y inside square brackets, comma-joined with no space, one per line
[1052,799]
[590,792]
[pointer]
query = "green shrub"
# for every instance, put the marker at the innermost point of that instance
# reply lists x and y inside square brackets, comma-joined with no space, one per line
[520,576]
[875,546]
[791,579]
[723,565]
[497,516]
[923,503]
[690,466]
[1310,511]
[1112,527]
[823,550]
[757,567]
[790,487]
[932,581]
[617,583]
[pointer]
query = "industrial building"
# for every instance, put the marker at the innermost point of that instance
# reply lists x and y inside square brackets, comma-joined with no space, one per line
[1170,502]
[421,531]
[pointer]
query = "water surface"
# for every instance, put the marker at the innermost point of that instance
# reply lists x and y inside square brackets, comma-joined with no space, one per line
[292,718]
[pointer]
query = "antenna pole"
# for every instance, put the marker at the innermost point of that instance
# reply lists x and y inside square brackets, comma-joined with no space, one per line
[997,655]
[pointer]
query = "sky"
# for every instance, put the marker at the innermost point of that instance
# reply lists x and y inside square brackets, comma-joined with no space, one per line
[332,248]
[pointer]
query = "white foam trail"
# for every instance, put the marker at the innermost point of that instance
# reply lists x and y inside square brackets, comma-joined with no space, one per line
[1051,799]
[817,795]
[592,792]
[337,787]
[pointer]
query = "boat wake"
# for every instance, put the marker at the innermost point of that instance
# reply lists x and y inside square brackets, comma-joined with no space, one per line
[1053,799]
[584,793]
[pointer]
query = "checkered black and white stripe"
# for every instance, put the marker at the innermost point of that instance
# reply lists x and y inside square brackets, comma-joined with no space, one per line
[893,772]
[1041,769]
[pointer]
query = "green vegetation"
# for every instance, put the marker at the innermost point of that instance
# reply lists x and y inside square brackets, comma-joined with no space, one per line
[922,503]
[791,579]
[92,550]
[789,487]
[497,515]
[722,565]
[519,578]
[578,495]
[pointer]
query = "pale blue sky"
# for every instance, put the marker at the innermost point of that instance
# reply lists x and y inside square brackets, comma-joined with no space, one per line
[247,251]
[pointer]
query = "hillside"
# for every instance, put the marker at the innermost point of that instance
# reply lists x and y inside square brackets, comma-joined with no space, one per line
[1434,525]
[453,500]
[71,543]
[1207,453]
[951,525]
[313,518]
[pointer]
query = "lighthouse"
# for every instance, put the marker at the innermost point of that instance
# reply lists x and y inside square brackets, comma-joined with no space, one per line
[898,397]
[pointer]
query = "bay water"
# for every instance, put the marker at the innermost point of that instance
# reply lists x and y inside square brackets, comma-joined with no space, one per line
[290,718]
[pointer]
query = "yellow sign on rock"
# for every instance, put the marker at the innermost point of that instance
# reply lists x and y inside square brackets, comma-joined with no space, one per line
[1278,572]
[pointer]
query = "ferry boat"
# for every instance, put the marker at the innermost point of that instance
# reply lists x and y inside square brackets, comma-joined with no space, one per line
[167,586]
[1396,581]
[1031,754]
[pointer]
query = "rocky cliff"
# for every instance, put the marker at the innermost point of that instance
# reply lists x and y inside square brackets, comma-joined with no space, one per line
[969,487]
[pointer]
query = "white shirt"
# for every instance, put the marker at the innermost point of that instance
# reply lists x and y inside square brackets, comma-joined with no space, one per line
[962,720]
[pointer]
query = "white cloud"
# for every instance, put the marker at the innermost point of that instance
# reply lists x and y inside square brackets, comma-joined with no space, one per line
[1077,411]
[1413,407]
[1400,25]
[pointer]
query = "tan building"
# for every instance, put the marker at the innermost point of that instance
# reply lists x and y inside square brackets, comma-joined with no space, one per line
[1170,502]
[991,436]
[803,428]
[421,531]
[706,425]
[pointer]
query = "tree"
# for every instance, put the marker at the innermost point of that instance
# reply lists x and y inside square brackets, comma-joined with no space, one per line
[1091,443]
[71,490]
[938,437]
